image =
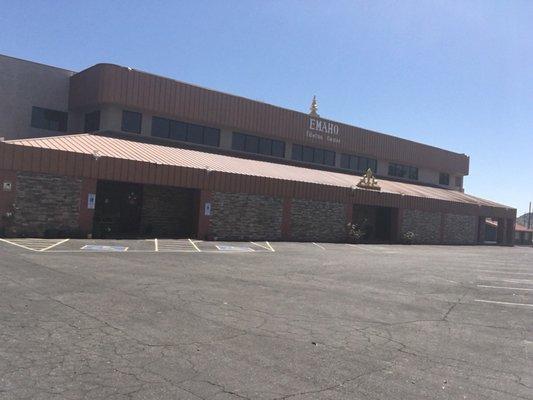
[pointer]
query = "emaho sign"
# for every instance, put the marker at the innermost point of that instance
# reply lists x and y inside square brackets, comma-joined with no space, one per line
[323,130]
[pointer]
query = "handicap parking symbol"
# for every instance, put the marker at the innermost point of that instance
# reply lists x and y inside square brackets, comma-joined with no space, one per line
[96,247]
[232,248]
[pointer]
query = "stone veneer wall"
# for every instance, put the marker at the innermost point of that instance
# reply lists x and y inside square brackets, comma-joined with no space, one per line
[47,205]
[425,225]
[318,221]
[460,229]
[167,211]
[240,216]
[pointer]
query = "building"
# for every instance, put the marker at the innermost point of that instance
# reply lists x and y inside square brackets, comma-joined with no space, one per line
[523,235]
[159,157]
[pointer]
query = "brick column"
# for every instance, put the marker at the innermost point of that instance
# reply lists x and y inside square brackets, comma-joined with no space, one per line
[500,235]
[442,227]
[399,237]
[7,199]
[481,229]
[348,211]
[286,233]
[509,232]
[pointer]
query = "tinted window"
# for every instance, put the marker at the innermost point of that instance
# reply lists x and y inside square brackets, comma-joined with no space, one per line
[256,144]
[314,155]
[52,120]
[131,121]
[353,163]
[444,179]
[345,161]
[160,127]
[278,148]
[252,144]
[195,134]
[92,121]
[413,173]
[329,157]
[373,164]
[319,156]
[362,164]
[178,130]
[403,171]
[238,141]
[297,152]
[265,146]
[308,154]
[211,137]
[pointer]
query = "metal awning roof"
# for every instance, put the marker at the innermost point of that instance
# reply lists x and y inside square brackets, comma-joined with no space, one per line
[103,146]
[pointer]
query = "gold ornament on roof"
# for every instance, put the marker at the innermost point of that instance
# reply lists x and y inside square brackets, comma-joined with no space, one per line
[313,111]
[368,181]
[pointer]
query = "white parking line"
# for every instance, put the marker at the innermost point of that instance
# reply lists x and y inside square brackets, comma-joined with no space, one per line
[504,272]
[55,244]
[269,248]
[156,245]
[194,245]
[175,245]
[372,248]
[505,287]
[504,303]
[497,278]
[317,245]
[16,244]
[360,247]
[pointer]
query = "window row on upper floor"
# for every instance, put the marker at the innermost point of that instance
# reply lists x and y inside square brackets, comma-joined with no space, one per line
[177,130]
[313,155]
[358,163]
[258,145]
[193,133]
[403,171]
[51,120]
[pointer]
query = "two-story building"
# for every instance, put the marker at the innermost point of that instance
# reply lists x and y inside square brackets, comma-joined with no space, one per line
[112,151]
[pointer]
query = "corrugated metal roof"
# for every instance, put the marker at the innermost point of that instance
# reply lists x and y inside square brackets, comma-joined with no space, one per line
[522,228]
[152,153]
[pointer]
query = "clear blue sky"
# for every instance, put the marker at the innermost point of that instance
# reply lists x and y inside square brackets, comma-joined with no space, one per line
[453,74]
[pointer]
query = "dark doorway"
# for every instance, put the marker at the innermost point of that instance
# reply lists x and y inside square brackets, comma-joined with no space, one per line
[377,223]
[383,224]
[169,212]
[128,210]
[118,210]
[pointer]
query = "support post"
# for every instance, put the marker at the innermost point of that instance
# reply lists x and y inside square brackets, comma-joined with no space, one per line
[86,215]
[481,229]
[204,221]
[286,233]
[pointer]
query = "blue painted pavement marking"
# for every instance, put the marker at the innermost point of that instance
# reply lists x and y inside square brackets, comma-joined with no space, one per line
[97,247]
[233,248]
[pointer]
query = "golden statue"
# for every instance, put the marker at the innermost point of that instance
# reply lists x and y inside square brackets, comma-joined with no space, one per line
[368,181]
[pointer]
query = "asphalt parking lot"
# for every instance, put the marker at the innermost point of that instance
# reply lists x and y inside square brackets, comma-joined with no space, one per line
[185,319]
